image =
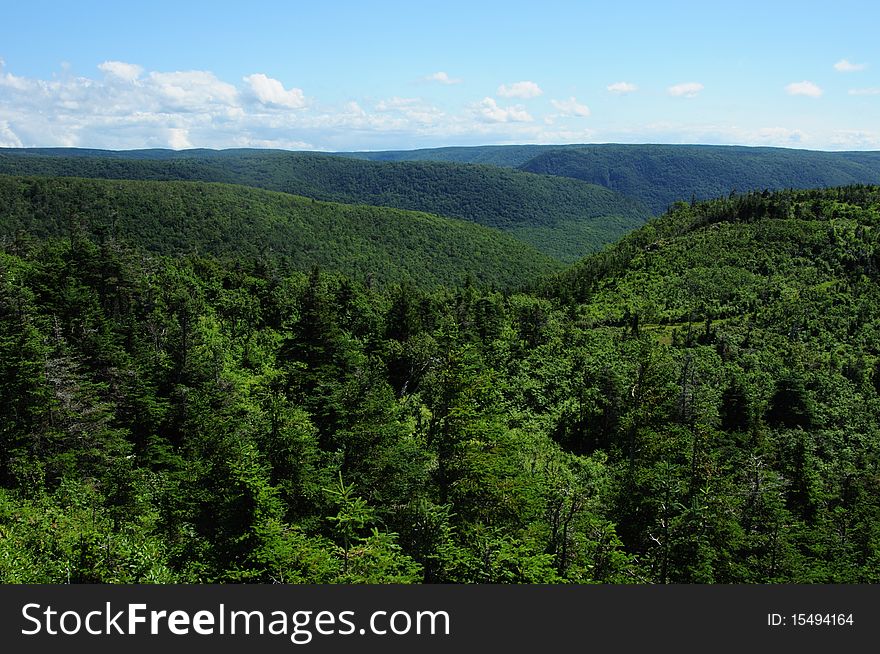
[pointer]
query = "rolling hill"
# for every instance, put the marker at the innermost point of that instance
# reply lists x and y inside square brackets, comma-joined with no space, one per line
[236,222]
[653,175]
[659,175]
[509,156]
[561,217]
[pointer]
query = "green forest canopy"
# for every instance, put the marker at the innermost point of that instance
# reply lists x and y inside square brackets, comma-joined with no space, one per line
[237,223]
[658,175]
[695,404]
[561,217]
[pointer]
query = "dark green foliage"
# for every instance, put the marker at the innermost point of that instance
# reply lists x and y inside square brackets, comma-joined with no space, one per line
[238,223]
[659,175]
[735,410]
[789,405]
[561,217]
[497,155]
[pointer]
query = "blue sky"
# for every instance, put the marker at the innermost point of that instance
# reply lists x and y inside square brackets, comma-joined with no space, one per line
[398,75]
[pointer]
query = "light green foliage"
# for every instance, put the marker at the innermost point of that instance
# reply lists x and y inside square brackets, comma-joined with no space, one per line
[695,404]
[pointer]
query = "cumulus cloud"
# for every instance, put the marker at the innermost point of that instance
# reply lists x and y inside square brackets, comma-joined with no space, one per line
[875,90]
[571,107]
[396,103]
[855,139]
[18,83]
[622,88]
[8,138]
[272,92]
[245,141]
[414,109]
[803,88]
[192,90]
[442,77]
[489,111]
[844,66]
[178,138]
[523,90]
[122,107]
[122,70]
[685,90]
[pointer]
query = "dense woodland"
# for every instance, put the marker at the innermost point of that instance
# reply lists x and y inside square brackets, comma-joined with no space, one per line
[658,175]
[236,223]
[562,217]
[697,403]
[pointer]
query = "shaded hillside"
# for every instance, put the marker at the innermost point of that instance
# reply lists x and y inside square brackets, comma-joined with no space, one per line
[659,175]
[511,156]
[235,222]
[561,217]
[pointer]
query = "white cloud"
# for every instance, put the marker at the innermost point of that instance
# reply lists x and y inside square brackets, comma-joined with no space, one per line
[414,109]
[122,70]
[489,111]
[571,107]
[178,138]
[844,66]
[621,88]
[685,90]
[17,83]
[523,90]
[777,136]
[8,138]
[803,88]
[875,90]
[355,109]
[855,139]
[442,77]
[271,91]
[182,109]
[192,90]
[275,144]
[398,104]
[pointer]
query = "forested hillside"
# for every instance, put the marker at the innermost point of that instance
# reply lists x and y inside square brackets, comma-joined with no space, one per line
[695,404]
[617,186]
[658,175]
[281,231]
[562,217]
[511,156]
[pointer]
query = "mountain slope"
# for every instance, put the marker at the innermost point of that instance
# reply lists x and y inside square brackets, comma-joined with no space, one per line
[388,245]
[561,217]
[734,256]
[511,156]
[659,175]
[695,404]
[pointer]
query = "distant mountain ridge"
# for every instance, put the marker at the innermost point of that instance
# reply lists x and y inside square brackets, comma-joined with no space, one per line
[658,175]
[528,191]
[509,156]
